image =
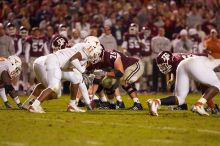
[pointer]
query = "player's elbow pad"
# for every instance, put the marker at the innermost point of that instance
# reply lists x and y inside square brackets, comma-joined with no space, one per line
[78,66]
[118,74]
[8,89]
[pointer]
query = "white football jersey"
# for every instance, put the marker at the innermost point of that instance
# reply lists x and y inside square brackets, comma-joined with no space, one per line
[4,65]
[65,55]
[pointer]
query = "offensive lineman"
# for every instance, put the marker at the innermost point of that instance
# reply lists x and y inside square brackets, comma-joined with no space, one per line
[186,70]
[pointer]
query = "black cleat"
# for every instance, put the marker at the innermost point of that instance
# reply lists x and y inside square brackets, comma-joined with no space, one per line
[7,104]
[112,106]
[81,104]
[20,106]
[104,105]
[120,105]
[181,107]
[136,106]
[215,111]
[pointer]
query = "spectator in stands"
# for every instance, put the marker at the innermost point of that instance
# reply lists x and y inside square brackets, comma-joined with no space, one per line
[183,45]
[107,39]
[6,43]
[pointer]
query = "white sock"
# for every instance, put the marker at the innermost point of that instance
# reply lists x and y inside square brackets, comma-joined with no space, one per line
[73,102]
[119,98]
[103,99]
[17,100]
[36,103]
[202,100]
[95,97]
[3,95]
[137,86]
[85,93]
[111,101]
[135,99]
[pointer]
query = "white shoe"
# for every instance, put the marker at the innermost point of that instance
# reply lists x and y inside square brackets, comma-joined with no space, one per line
[153,105]
[74,108]
[199,109]
[38,109]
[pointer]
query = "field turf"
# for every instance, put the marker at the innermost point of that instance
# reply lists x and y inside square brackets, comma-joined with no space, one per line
[108,127]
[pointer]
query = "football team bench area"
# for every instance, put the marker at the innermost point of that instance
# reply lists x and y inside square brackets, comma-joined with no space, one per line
[108,127]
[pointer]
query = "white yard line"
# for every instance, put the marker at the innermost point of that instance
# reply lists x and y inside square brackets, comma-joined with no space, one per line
[9,143]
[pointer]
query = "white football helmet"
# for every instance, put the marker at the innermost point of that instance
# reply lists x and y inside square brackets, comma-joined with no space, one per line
[92,40]
[95,55]
[16,63]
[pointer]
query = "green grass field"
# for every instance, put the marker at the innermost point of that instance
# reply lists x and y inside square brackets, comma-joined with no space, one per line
[107,128]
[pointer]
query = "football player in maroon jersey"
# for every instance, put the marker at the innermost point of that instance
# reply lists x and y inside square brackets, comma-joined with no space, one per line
[146,52]
[168,62]
[127,70]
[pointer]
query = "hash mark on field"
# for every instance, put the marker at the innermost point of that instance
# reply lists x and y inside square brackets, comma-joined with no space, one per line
[91,142]
[12,143]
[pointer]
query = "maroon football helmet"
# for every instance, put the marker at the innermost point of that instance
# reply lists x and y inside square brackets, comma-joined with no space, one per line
[59,42]
[146,31]
[133,28]
[164,61]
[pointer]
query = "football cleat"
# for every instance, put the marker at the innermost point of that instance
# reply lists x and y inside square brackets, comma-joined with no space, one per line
[153,105]
[136,106]
[120,105]
[104,105]
[181,107]
[33,109]
[71,108]
[7,104]
[199,108]
[112,106]
[81,103]
[20,106]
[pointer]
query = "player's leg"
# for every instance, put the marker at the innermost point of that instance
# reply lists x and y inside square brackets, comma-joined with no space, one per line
[4,98]
[53,81]
[181,91]
[212,81]
[131,75]
[119,103]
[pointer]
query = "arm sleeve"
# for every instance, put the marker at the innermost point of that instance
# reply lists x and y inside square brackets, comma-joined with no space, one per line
[78,66]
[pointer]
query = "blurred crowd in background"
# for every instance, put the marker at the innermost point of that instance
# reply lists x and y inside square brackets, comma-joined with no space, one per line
[27,26]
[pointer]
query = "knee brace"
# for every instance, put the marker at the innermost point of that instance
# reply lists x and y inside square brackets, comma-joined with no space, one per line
[129,89]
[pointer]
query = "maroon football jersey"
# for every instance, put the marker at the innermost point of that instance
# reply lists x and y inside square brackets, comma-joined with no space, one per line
[37,46]
[133,46]
[178,57]
[146,49]
[109,59]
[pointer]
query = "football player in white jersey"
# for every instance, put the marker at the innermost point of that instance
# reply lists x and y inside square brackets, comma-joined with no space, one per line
[67,60]
[10,68]
[198,68]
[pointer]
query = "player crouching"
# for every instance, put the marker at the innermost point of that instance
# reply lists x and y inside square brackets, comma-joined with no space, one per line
[10,69]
